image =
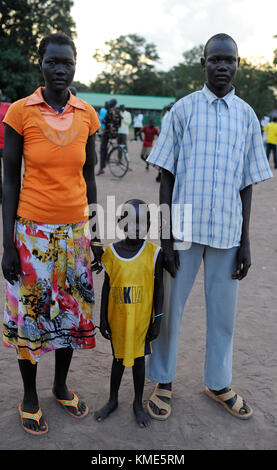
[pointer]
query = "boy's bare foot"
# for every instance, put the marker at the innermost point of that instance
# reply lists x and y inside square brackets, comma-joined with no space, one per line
[142,418]
[104,412]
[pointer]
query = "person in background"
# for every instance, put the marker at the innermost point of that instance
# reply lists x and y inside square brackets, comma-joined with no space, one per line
[149,134]
[167,109]
[102,114]
[73,90]
[112,122]
[123,130]
[271,140]
[137,124]
[264,121]
[4,106]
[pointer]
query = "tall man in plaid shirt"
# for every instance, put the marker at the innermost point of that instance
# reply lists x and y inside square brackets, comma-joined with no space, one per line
[211,153]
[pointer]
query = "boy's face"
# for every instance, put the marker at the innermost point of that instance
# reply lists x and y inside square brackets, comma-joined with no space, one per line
[220,64]
[136,221]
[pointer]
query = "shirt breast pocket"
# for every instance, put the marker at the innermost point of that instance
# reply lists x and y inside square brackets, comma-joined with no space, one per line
[236,145]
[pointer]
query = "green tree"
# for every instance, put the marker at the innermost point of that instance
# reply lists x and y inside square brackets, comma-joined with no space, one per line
[22,25]
[275,53]
[128,61]
[187,76]
[257,86]
[80,86]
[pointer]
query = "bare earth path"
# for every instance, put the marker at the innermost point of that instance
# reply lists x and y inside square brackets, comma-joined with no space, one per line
[196,421]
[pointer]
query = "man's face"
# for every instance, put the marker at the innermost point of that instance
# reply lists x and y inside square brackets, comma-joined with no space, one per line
[221,64]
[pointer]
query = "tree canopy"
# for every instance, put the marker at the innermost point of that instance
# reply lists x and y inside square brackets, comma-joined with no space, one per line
[130,63]
[130,67]
[23,23]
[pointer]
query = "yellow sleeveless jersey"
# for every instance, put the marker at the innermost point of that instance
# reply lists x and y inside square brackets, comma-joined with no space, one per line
[130,299]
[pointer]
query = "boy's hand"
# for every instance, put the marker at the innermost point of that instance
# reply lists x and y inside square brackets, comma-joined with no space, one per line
[153,331]
[243,261]
[105,330]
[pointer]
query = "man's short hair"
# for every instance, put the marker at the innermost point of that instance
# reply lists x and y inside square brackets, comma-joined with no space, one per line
[221,37]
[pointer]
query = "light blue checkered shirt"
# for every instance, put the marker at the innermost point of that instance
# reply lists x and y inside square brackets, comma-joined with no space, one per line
[214,149]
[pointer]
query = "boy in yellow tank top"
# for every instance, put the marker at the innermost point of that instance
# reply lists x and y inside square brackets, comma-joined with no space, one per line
[131,304]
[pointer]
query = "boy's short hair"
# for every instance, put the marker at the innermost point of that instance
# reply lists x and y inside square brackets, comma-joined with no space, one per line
[221,37]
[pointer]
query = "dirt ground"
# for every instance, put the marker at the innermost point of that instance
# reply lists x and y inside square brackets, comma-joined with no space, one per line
[196,421]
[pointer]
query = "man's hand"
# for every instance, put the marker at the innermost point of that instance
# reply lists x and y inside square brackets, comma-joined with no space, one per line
[96,264]
[11,265]
[170,257]
[243,262]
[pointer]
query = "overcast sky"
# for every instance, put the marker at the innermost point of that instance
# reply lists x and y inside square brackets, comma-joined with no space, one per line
[174,26]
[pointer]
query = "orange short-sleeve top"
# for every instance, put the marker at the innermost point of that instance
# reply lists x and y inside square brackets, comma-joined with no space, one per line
[53,190]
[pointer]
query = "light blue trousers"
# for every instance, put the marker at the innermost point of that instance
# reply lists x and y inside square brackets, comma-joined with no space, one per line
[221,293]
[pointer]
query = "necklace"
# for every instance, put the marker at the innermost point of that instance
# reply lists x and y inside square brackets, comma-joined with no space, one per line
[58,111]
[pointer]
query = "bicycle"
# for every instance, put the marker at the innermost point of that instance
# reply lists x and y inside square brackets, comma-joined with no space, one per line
[117,159]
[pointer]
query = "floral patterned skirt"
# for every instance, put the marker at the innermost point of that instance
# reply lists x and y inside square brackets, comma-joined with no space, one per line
[51,305]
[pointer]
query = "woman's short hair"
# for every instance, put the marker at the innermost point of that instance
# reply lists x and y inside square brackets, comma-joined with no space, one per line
[56,38]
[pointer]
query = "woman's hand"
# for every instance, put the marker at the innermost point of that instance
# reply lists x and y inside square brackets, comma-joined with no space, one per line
[11,264]
[96,264]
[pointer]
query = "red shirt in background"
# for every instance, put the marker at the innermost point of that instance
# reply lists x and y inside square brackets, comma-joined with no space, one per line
[3,109]
[149,134]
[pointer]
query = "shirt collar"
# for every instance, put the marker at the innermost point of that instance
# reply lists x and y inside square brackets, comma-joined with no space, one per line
[211,97]
[37,98]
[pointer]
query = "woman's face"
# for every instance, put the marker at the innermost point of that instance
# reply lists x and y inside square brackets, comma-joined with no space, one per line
[58,66]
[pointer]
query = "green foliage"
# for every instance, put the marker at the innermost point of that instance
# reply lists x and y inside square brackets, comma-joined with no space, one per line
[128,62]
[275,53]
[128,69]
[256,86]
[23,24]
[188,75]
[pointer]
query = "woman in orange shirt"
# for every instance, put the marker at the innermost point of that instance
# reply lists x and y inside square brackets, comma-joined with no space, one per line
[46,259]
